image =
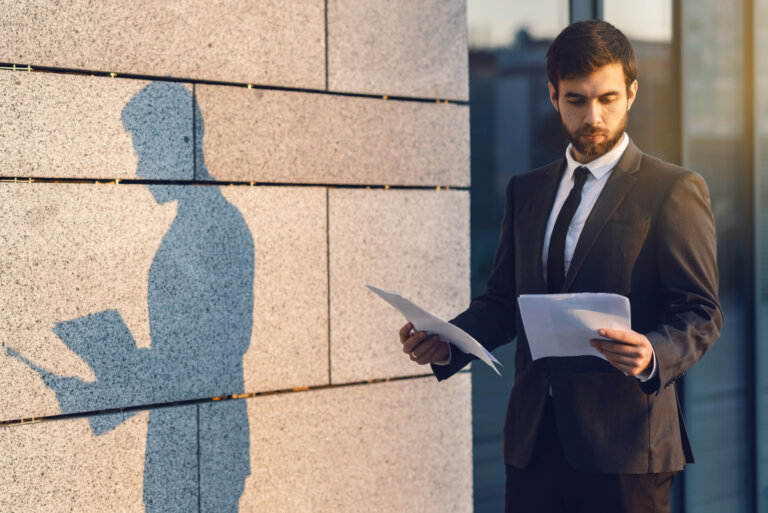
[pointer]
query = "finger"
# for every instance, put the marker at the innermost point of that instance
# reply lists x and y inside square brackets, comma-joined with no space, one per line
[631,366]
[405,331]
[619,348]
[627,371]
[413,341]
[424,347]
[418,347]
[630,363]
[622,366]
[427,357]
[628,337]
[612,341]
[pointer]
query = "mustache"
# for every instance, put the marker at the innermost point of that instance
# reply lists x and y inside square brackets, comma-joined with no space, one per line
[592,131]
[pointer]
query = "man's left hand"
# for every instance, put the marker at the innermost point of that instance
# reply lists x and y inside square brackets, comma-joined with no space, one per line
[629,351]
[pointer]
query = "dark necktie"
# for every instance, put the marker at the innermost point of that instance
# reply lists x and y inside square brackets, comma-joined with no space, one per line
[556,255]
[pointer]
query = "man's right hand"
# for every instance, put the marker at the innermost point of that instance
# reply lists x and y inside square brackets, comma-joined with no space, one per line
[423,349]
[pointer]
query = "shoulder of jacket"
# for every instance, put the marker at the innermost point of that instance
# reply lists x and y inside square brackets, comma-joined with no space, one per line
[656,169]
[535,174]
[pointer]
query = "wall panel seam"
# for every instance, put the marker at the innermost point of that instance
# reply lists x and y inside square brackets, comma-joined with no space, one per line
[127,181]
[25,68]
[326,45]
[328,275]
[194,134]
[189,402]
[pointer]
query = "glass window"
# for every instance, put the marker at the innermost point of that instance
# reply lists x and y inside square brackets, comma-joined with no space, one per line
[653,119]
[514,128]
[761,231]
[718,391]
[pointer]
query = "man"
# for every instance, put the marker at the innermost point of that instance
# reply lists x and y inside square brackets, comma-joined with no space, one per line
[582,433]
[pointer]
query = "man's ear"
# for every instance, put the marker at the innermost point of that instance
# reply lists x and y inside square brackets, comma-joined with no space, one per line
[553,96]
[631,94]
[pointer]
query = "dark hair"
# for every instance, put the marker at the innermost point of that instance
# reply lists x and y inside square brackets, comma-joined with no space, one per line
[585,46]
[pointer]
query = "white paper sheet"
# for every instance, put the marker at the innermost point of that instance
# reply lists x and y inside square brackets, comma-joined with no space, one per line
[563,324]
[425,321]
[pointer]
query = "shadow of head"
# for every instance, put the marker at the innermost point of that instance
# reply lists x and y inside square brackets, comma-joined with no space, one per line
[160,121]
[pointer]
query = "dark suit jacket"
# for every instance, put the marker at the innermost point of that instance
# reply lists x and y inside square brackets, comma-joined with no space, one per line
[650,237]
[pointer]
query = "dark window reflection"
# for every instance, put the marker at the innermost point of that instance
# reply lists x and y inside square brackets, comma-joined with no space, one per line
[718,391]
[761,214]
[514,128]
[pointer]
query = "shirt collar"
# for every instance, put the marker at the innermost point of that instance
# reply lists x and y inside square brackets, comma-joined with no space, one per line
[599,167]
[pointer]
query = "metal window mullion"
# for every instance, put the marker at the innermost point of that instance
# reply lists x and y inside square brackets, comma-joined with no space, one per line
[585,10]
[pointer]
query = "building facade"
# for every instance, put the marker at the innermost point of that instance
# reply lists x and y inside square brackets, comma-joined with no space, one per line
[194,195]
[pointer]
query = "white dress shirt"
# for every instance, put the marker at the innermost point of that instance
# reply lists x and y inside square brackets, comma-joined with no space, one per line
[599,171]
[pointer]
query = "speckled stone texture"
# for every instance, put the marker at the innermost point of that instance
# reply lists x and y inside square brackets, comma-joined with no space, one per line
[289,343]
[266,42]
[148,463]
[58,466]
[399,446]
[398,48]
[273,136]
[67,126]
[112,299]
[412,242]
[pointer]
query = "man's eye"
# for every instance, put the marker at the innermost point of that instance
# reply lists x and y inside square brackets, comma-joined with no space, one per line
[576,101]
[608,99]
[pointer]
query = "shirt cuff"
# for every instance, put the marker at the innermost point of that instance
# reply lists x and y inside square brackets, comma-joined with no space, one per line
[447,361]
[643,377]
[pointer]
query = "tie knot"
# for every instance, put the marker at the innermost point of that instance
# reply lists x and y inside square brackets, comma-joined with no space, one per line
[580,175]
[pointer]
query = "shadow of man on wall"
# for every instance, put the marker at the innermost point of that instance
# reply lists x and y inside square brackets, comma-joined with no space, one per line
[200,299]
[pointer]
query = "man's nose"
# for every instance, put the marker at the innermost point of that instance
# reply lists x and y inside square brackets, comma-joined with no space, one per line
[594,114]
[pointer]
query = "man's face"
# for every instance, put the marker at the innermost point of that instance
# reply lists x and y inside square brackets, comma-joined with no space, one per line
[593,110]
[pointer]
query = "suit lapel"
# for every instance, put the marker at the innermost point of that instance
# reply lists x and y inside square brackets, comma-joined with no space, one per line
[622,179]
[536,199]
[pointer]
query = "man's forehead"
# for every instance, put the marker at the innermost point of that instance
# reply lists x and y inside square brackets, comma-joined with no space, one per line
[604,80]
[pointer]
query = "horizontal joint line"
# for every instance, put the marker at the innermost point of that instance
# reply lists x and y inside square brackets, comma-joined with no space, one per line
[129,181]
[143,407]
[136,76]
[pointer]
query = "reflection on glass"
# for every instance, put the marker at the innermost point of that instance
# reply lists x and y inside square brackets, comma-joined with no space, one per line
[495,23]
[717,393]
[648,25]
[513,129]
[761,218]
[649,20]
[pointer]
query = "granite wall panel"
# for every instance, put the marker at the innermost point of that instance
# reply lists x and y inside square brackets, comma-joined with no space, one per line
[398,48]
[412,242]
[139,295]
[72,126]
[57,466]
[123,295]
[267,42]
[274,136]
[156,460]
[398,446]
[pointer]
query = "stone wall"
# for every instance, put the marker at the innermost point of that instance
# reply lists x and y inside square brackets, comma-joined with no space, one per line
[193,195]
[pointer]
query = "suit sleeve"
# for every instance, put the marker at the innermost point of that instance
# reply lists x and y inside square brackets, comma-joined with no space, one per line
[490,318]
[687,266]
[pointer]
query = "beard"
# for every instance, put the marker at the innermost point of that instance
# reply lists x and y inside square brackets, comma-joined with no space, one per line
[593,150]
